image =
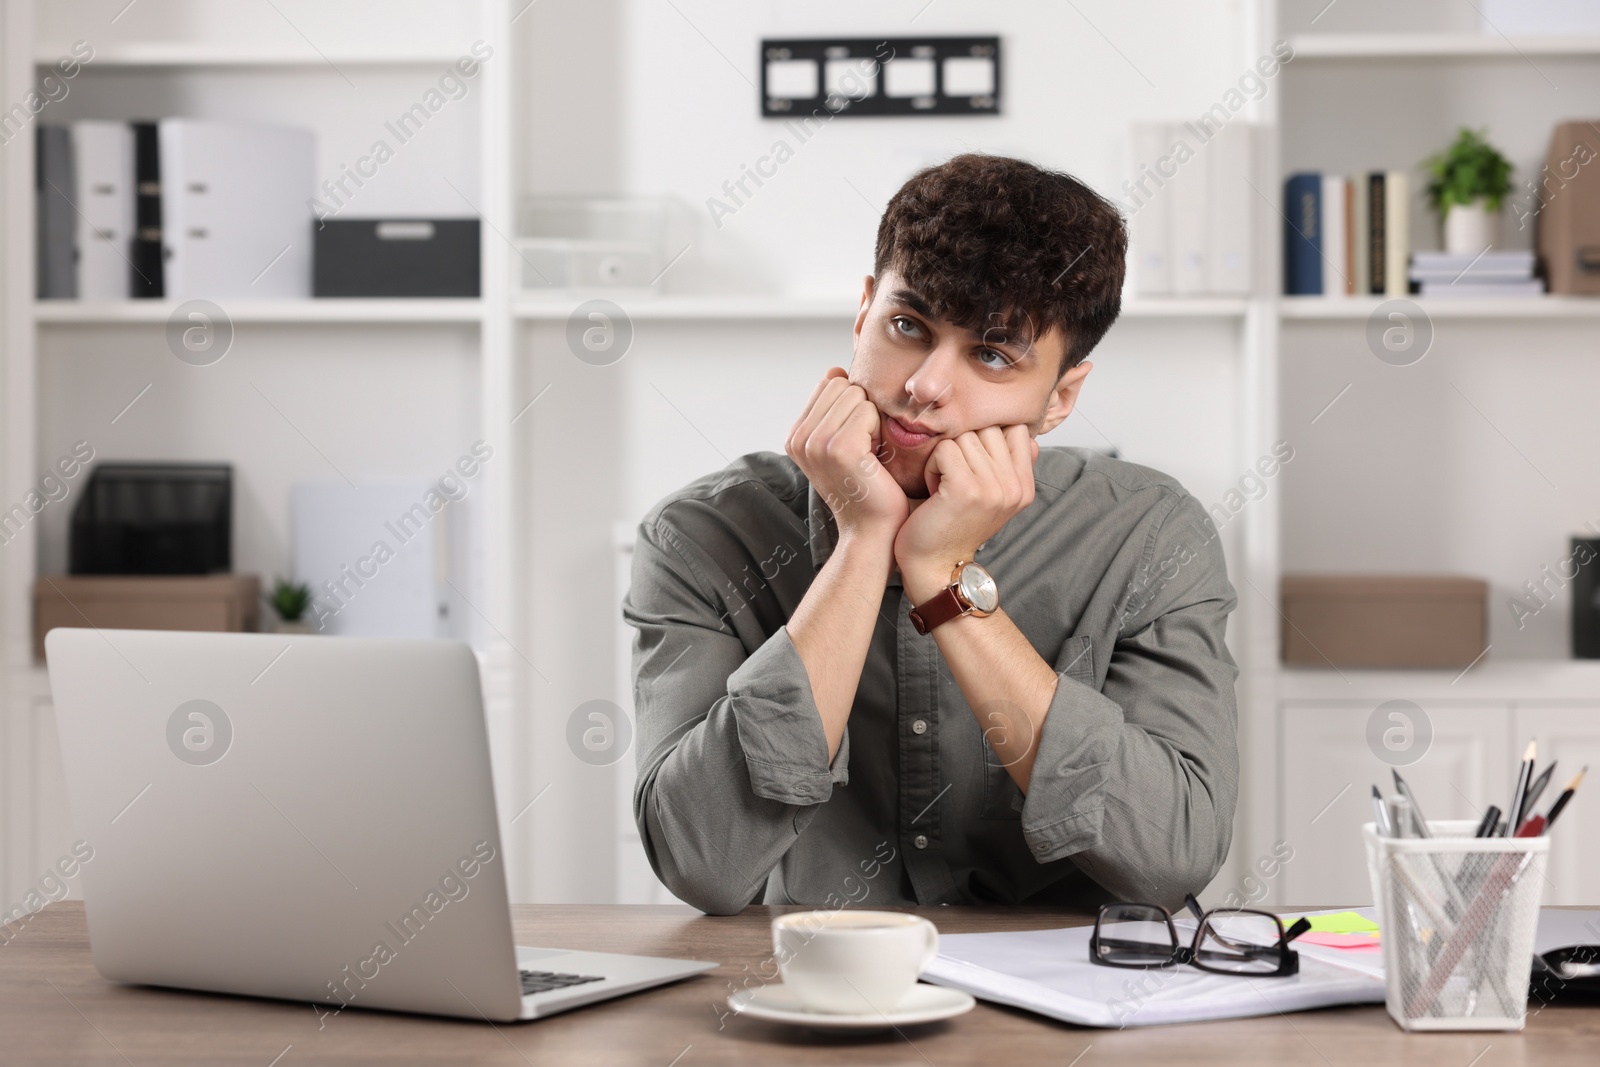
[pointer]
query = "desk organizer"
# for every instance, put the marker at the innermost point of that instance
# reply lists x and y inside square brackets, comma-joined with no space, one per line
[1457,916]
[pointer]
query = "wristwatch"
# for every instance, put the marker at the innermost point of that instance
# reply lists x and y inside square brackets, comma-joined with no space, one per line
[971,592]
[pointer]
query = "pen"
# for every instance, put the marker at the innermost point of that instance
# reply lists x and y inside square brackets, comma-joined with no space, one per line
[1491,818]
[1416,810]
[1399,816]
[1566,795]
[1380,814]
[1515,808]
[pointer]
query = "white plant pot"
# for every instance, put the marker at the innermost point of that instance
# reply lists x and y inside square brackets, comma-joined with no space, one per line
[1470,228]
[298,626]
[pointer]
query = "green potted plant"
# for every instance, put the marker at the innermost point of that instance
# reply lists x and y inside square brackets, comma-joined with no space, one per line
[1467,183]
[290,601]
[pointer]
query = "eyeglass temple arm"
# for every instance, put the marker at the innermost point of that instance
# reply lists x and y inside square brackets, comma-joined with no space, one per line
[1300,926]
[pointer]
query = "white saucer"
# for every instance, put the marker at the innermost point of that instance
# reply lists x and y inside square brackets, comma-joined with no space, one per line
[923,1004]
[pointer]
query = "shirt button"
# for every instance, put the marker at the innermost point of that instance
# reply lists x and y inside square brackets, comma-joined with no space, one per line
[921,840]
[920,726]
[1041,847]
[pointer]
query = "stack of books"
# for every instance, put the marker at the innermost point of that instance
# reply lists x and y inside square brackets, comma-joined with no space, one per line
[1487,274]
[1346,236]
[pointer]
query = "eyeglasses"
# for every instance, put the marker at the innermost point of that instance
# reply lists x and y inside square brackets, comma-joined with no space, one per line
[1227,941]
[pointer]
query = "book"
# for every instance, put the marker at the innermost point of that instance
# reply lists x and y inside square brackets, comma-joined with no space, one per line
[1190,193]
[56,222]
[1528,287]
[1469,274]
[147,277]
[233,208]
[1149,222]
[1489,261]
[1377,254]
[1230,155]
[104,236]
[1360,235]
[1302,235]
[1396,232]
[1335,278]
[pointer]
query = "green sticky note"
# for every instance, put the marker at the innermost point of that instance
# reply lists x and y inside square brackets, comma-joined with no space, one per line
[1342,922]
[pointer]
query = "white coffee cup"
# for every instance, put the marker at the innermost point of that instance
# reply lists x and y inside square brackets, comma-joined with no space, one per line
[852,962]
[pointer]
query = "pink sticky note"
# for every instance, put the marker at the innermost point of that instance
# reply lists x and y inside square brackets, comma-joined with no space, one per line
[1345,941]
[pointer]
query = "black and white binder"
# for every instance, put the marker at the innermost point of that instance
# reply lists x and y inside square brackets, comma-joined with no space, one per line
[146,276]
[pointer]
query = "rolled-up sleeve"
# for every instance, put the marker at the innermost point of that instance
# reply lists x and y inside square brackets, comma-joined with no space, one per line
[732,758]
[1137,782]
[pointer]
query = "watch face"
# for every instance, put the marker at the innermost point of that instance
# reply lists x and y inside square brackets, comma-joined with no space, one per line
[977,585]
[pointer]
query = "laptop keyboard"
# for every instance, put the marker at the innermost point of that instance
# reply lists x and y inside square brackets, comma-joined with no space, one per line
[545,981]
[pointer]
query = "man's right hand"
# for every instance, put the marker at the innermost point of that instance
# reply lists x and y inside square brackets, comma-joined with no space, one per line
[834,443]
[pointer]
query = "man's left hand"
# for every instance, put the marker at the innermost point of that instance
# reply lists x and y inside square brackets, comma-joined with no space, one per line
[976,483]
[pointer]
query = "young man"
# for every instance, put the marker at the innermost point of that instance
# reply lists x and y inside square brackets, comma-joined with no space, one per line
[922,660]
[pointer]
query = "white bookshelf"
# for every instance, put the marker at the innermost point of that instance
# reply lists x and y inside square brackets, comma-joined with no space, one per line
[1436,46]
[197,54]
[446,311]
[1340,309]
[743,308]
[288,62]
[1409,477]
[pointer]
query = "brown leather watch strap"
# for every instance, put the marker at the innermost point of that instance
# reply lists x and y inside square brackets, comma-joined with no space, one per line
[941,609]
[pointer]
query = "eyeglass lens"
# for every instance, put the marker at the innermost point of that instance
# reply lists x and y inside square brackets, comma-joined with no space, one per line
[1133,935]
[1240,942]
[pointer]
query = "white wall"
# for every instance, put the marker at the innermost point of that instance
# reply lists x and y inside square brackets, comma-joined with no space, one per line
[1073,77]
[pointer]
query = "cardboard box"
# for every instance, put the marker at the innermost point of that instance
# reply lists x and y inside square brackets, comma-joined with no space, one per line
[1384,620]
[209,602]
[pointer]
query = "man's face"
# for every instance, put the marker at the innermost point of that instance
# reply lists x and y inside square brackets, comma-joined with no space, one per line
[932,380]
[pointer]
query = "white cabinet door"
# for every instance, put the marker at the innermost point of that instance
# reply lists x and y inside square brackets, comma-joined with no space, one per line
[40,827]
[1570,735]
[1329,770]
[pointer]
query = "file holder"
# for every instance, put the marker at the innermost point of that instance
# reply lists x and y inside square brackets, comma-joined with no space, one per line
[1457,916]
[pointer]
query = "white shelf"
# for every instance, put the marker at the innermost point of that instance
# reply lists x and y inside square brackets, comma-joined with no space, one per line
[1493,680]
[71,312]
[1510,307]
[710,308]
[204,54]
[1436,45]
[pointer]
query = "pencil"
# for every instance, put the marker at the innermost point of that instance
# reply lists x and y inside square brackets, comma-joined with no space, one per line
[1519,794]
[1566,795]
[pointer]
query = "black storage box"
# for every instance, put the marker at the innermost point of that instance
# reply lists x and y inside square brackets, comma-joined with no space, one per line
[154,518]
[1586,598]
[395,257]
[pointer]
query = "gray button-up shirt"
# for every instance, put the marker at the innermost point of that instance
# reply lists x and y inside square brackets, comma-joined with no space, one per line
[1115,575]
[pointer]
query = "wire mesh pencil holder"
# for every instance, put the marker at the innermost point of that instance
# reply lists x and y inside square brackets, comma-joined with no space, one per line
[1457,916]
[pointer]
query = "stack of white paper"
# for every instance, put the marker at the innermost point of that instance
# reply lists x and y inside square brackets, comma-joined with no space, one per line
[1048,971]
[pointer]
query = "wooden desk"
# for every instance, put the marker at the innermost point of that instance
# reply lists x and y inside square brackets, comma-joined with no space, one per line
[56,1009]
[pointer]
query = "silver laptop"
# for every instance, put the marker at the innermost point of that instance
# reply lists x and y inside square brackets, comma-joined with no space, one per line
[303,817]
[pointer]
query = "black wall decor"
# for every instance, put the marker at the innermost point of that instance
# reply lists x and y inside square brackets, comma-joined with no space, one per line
[884,76]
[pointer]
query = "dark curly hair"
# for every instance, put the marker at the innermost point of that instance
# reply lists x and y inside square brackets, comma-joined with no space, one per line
[993,241]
